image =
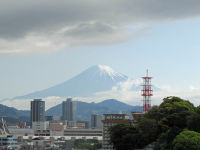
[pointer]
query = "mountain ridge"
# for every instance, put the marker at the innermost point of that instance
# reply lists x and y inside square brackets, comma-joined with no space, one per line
[11,114]
[94,79]
[84,109]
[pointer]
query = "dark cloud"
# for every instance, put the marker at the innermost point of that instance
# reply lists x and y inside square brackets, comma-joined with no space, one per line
[86,18]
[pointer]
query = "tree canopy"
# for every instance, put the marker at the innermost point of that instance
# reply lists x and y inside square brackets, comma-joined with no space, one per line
[187,140]
[161,126]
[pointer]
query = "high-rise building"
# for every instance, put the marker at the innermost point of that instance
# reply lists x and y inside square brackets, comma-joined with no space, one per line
[96,121]
[111,120]
[37,111]
[69,110]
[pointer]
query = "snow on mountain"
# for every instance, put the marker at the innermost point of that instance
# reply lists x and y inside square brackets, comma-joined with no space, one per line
[106,70]
[94,79]
[95,84]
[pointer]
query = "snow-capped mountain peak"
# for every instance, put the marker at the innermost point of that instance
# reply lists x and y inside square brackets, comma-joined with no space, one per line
[106,70]
[94,79]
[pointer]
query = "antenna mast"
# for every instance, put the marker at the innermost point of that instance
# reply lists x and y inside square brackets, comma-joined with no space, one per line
[147,92]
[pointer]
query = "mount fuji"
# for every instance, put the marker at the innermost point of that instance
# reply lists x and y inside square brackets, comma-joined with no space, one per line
[95,79]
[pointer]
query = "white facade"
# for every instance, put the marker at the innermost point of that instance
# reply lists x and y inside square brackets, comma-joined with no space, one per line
[40,126]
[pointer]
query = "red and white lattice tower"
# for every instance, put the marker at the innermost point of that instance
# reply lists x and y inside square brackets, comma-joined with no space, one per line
[147,92]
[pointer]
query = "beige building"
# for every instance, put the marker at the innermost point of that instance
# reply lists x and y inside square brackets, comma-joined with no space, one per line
[57,128]
[80,125]
[111,120]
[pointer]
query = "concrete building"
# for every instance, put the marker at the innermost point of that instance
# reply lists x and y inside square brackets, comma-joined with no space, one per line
[42,133]
[96,121]
[21,131]
[40,126]
[37,111]
[52,118]
[111,120]
[80,125]
[84,124]
[83,133]
[38,123]
[70,124]
[57,128]
[8,142]
[69,110]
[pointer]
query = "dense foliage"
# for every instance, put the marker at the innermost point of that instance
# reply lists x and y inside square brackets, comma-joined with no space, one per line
[89,144]
[163,126]
[187,140]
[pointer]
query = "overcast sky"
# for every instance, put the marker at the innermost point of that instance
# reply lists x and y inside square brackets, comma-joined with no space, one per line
[45,42]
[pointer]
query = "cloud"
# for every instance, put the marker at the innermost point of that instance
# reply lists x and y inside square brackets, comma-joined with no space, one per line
[128,85]
[29,26]
[126,95]
[194,89]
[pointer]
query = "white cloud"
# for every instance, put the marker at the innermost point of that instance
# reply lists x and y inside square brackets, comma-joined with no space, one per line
[128,85]
[192,88]
[122,92]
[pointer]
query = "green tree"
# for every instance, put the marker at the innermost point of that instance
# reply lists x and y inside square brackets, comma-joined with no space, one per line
[187,140]
[124,136]
[174,112]
[193,122]
[160,125]
[165,139]
[148,130]
[173,104]
[89,144]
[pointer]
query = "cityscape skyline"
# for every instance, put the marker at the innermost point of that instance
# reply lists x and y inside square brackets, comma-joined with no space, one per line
[90,74]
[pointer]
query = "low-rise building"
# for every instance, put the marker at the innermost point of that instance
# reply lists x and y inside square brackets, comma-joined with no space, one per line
[83,132]
[42,133]
[40,125]
[8,142]
[57,128]
[86,124]
[21,131]
[80,125]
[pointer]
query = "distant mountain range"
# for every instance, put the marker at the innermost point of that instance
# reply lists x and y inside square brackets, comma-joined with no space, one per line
[84,110]
[12,115]
[95,79]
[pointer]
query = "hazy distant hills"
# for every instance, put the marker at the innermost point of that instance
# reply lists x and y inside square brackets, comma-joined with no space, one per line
[94,79]
[11,114]
[84,110]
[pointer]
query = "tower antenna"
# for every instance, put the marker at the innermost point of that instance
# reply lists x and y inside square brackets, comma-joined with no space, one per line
[147,92]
